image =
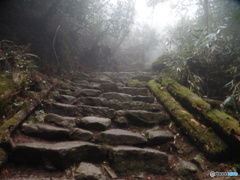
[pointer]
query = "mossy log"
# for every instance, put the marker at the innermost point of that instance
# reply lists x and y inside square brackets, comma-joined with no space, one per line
[222,123]
[10,125]
[202,136]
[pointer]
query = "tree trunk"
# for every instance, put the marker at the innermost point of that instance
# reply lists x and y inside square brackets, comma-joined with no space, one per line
[223,124]
[202,136]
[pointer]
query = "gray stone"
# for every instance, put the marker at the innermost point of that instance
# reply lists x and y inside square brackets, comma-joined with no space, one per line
[117,96]
[62,121]
[61,155]
[121,121]
[131,160]
[87,171]
[146,99]
[67,99]
[145,118]
[45,131]
[65,91]
[157,137]
[61,109]
[95,111]
[199,161]
[94,123]
[138,105]
[121,137]
[91,101]
[142,78]
[80,134]
[113,104]
[185,170]
[101,78]
[134,91]
[109,87]
[90,92]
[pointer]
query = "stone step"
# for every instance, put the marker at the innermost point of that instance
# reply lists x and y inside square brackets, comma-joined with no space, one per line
[121,137]
[117,96]
[134,91]
[94,123]
[60,155]
[143,118]
[132,160]
[159,137]
[49,132]
[67,99]
[78,110]
[62,121]
[90,92]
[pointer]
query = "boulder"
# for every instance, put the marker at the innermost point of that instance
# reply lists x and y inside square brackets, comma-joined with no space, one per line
[58,120]
[90,92]
[132,160]
[87,171]
[95,111]
[80,134]
[121,137]
[158,137]
[134,91]
[94,123]
[45,131]
[117,96]
[61,155]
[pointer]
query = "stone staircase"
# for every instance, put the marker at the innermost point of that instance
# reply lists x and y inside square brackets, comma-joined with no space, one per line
[96,127]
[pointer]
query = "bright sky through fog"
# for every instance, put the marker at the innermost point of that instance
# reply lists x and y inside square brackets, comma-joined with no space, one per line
[159,18]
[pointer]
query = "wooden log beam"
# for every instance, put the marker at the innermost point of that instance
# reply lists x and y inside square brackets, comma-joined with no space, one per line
[223,124]
[204,138]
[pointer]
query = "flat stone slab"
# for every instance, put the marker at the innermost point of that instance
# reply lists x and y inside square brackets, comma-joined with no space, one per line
[138,105]
[134,91]
[144,118]
[157,137]
[117,96]
[94,123]
[85,110]
[146,99]
[45,131]
[129,160]
[58,120]
[91,101]
[109,87]
[67,99]
[62,109]
[90,92]
[142,78]
[121,137]
[80,134]
[88,171]
[61,155]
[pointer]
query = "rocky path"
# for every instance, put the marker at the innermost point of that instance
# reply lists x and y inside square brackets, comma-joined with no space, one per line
[102,126]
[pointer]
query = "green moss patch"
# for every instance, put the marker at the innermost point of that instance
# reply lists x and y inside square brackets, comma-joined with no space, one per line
[202,136]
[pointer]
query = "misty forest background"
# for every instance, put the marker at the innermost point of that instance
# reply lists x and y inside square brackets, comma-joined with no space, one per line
[202,51]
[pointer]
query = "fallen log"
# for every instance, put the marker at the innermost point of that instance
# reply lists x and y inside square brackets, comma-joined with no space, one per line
[223,124]
[10,125]
[204,138]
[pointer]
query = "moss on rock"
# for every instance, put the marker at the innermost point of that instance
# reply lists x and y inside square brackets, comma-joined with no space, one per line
[135,83]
